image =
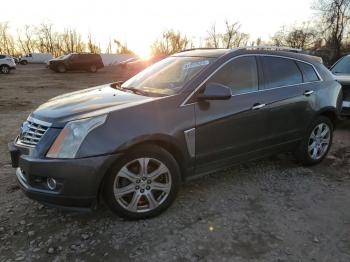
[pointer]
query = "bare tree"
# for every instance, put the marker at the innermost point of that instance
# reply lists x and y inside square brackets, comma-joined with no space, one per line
[92,46]
[230,38]
[170,42]
[213,39]
[26,39]
[122,48]
[302,36]
[71,41]
[7,44]
[334,15]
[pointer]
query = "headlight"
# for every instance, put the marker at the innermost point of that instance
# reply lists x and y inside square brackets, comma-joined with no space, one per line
[72,135]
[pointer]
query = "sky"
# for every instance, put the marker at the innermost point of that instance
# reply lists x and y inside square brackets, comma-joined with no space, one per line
[139,23]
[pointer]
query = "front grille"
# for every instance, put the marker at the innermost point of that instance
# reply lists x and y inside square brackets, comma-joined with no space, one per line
[32,131]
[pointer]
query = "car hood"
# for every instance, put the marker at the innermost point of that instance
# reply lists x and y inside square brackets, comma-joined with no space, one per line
[86,103]
[343,79]
[56,60]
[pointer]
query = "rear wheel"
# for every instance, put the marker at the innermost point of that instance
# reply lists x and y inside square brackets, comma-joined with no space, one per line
[143,184]
[5,69]
[315,146]
[93,68]
[61,68]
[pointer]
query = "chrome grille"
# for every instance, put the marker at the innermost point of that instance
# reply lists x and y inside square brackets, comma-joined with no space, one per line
[32,131]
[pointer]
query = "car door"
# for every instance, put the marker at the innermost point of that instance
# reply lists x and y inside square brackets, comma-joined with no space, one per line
[227,128]
[75,62]
[288,98]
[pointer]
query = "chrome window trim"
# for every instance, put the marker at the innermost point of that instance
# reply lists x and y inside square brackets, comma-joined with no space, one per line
[184,103]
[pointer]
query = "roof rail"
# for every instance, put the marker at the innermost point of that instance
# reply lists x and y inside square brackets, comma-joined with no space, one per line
[201,48]
[271,47]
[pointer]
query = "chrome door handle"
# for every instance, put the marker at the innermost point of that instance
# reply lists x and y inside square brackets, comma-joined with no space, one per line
[308,92]
[258,106]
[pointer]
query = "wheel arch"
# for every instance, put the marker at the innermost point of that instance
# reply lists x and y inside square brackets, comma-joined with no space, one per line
[331,113]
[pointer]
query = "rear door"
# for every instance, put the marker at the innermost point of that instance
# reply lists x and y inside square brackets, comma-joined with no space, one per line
[288,96]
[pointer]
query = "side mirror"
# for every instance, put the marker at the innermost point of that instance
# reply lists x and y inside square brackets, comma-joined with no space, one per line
[215,91]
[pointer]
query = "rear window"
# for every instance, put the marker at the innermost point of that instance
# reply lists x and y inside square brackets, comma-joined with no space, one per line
[280,72]
[308,71]
[2,56]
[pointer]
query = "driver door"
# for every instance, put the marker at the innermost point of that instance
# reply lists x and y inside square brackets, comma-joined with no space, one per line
[235,127]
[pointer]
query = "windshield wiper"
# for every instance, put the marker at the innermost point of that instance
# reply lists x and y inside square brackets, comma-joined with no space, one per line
[136,91]
[118,85]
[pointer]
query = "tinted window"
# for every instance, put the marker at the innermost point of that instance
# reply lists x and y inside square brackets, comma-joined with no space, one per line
[308,71]
[280,72]
[342,67]
[240,75]
[2,56]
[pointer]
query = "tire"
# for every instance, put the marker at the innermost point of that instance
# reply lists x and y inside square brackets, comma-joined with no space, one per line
[4,69]
[61,68]
[93,68]
[24,62]
[140,198]
[315,146]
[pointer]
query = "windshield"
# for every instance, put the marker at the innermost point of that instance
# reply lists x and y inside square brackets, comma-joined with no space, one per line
[168,76]
[342,66]
[64,56]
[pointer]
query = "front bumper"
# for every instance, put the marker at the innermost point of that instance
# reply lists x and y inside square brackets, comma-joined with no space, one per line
[78,180]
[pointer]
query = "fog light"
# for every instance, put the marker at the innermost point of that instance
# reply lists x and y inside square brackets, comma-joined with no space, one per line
[51,183]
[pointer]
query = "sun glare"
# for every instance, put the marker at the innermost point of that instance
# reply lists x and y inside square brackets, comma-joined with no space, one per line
[143,52]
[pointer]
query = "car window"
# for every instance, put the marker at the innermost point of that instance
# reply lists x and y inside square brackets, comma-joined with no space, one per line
[168,76]
[240,75]
[342,66]
[2,56]
[308,71]
[280,72]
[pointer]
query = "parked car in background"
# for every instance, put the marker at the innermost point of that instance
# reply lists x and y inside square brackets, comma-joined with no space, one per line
[15,59]
[189,114]
[7,63]
[77,61]
[123,64]
[35,58]
[341,71]
[137,65]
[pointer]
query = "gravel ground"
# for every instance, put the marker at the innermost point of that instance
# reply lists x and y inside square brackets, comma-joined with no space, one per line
[267,210]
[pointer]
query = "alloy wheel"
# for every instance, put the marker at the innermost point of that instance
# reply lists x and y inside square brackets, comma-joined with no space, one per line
[5,70]
[319,141]
[142,185]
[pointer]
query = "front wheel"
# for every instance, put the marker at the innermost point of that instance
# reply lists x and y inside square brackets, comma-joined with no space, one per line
[315,146]
[5,69]
[142,184]
[61,68]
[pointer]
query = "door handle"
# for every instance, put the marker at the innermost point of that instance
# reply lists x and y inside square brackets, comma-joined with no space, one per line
[308,92]
[258,106]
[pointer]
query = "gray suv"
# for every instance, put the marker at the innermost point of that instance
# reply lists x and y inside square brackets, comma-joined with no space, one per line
[134,143]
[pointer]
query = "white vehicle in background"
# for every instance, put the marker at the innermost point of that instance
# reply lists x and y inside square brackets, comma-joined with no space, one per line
[7,63]
[35,58]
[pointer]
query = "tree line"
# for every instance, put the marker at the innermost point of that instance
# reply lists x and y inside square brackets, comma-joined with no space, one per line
[327,35]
